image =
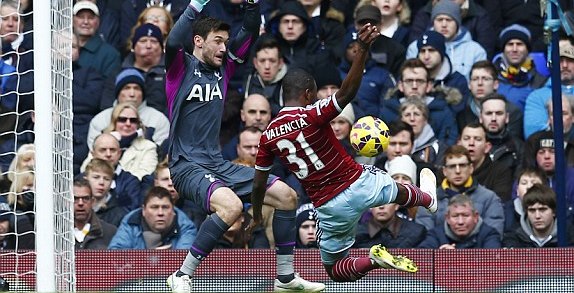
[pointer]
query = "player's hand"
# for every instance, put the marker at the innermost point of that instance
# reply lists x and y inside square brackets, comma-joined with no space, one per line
[367,35]
[255,221]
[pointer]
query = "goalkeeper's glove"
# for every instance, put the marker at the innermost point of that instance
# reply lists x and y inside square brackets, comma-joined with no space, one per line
[252,1]
[198,4]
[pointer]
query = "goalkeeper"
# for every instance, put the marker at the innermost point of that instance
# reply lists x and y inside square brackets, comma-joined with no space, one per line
[196,86]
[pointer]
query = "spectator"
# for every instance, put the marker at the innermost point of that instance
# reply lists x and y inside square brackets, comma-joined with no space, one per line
[463,228]
[130,10]
[162,178]
[526,179]
[146,55]
[125,186]
[21,196]
[376,80]
[473,18]
[427,148]
[492,175]
[156,15]
[109,28]
[506,148]
[24,160]
[395,18]
[326,23]
[401,142]
[535,114]
[256,112]
[248,145]
[90,232]
[538,227]
[270,68]
[527,14]
[539,153]
[100,174]
[483,83]
[156,225]
[404,170]
[16,231]
[457,170]
[87,102]
[291,25]
[516,69]
[567,120]
[415,83]
[130,87]
[306,224]
[139,155]
[385,224]
[432,52]
[460,47]
[386,51]
[94,52]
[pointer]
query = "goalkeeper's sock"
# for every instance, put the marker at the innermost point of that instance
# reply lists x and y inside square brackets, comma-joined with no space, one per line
[415,197]
[209,234]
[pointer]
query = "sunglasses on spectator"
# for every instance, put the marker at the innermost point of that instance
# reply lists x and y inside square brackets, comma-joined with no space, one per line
[133,120]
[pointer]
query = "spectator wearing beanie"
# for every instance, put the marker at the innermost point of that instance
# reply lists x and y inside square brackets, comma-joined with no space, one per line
[376,79]
[130,87]
[306,224]
[517,73]
[473,17]
[147,57]
[432,52]
[460,48]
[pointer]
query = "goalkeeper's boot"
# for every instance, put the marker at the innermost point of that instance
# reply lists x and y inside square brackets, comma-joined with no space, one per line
[298,285]
[179,284]
[428,185]
[385,260]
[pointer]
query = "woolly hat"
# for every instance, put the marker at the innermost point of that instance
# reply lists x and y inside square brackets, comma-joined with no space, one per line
[433,39]
[543,139]
[515,31]
[348,114]
[327,74]
[449,8]
[129,75]
[368,13]
[403,165]
[147,30]
[304,212]
[5,213]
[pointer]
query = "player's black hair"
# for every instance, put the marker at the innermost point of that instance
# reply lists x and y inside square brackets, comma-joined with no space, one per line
[295,82]
[203,26]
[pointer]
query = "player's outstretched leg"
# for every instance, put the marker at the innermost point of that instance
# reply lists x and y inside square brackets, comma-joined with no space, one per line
[411,196]
[385,260]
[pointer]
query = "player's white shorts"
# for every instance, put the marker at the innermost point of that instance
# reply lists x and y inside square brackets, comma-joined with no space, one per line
[337,218]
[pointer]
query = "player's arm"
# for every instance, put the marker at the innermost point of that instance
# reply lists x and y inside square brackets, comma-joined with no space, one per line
[258,194]
[366,35]
[181,30]
[240,44]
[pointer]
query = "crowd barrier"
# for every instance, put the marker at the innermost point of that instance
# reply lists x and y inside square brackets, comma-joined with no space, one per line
[472,270]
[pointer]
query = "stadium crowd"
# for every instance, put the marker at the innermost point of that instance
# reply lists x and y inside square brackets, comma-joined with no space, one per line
[462,84]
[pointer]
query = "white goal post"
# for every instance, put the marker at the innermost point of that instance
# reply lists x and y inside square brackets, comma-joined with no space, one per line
[55,269]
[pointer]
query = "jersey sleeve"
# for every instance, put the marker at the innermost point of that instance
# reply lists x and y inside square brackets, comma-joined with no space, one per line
[323,111]
[264,159]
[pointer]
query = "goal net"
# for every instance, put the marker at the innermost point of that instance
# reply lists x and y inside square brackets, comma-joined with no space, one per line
[36,153]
